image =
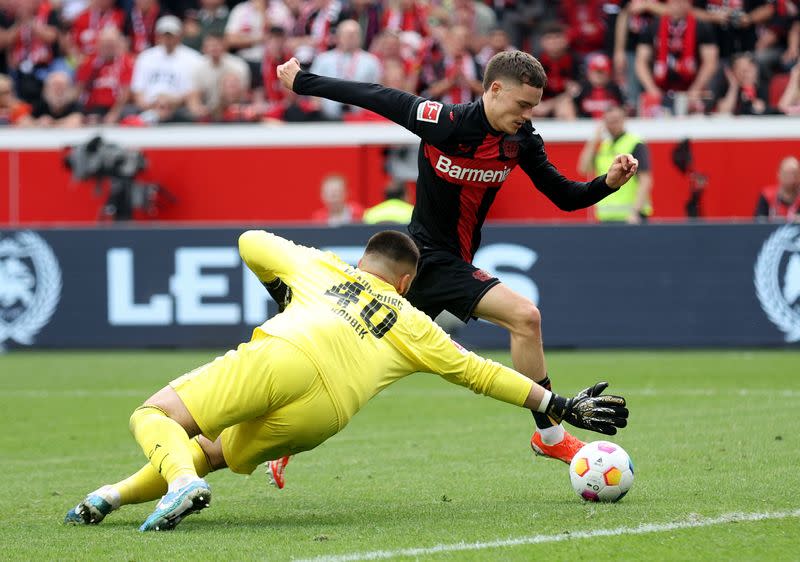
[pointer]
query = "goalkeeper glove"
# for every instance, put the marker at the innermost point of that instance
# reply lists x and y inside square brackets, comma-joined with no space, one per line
[589,410]
[280,292]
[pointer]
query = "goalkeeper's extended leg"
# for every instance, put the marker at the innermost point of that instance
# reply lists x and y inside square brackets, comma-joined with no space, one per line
[160,427]
[142,486]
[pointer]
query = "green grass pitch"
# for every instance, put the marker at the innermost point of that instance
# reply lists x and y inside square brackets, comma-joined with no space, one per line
[426,465]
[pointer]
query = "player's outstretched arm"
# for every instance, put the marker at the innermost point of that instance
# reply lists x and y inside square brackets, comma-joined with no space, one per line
[418,115]
[272,259]
[589,410]
[566,194]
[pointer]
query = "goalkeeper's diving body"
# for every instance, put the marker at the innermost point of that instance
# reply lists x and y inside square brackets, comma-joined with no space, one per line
[467,152]
[346,335]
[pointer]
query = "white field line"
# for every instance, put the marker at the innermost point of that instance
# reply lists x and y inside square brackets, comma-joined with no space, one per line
[691,523]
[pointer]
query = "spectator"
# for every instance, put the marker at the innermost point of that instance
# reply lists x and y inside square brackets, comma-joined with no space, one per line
[71,9]
[394,209]
[598,93]
[525,20]
[734,23]
[497,41]
[6,21]
[390,45]
[215,64]
[336,210]
[12,110]
[165,109]
[247,26]
[104,79]
[477,17]
[456,77]
[394,74]
[276,51]
[369,14]
[586,29]
[778,43]
[634,18]
[677,54]
[631,202]
[746,95]
[347,61]
[790,99]
[562,74]
[782,201]
[140,25]
[212,17]
[314,27]
[233,105]
[166,69]
[406,15]
[32,46]
[87,26]
[59,106]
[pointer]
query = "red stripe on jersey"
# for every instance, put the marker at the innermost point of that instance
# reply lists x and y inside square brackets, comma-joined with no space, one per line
[468,172]
[469,202]
[490,148]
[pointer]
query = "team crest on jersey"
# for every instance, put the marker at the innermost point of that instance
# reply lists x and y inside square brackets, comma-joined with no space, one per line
[30,286]
[481,275]
[429,111]
[777,280]
[510,149]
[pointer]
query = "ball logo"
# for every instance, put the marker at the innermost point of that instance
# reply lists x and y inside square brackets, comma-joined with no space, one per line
[777,280]
[30,286]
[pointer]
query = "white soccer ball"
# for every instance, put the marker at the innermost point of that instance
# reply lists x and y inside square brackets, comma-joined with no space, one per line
[601,472]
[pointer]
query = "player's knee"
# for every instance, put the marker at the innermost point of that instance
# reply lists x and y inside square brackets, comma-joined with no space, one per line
[528,321]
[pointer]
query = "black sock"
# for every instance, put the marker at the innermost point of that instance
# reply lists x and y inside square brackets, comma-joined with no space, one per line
[543,421]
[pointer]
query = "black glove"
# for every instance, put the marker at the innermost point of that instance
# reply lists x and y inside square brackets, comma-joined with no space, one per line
[280,292]
[589,410]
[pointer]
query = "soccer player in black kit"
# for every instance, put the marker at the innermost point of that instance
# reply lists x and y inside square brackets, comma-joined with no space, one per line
[467,152]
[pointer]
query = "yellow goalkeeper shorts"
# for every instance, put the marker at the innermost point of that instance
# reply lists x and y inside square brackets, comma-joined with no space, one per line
[266,400]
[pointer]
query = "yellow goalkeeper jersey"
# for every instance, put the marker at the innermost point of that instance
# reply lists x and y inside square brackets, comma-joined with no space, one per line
[359,332]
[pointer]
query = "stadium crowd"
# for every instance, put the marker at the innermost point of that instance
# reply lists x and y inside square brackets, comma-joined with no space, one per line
[143,62]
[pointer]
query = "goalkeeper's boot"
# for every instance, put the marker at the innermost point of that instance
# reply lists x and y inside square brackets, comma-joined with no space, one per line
[564,450]
[276,471]
[174,506]
[93,508]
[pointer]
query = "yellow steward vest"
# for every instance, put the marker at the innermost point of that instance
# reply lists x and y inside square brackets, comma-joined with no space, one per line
[391,210]
[618,205]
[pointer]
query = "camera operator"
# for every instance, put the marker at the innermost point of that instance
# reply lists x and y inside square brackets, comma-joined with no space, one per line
[115,168]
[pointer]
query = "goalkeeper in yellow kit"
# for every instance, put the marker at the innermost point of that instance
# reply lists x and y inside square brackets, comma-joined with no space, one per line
[346,335]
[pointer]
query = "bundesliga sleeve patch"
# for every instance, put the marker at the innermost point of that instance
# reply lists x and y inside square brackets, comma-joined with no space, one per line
[429,111]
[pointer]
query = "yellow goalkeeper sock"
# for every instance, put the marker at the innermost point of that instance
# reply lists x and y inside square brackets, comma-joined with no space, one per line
[148,485]
[164,442]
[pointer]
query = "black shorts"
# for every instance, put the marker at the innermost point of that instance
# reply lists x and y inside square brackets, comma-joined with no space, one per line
[446,282]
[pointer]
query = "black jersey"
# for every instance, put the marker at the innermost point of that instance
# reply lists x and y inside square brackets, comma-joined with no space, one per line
[463,161]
